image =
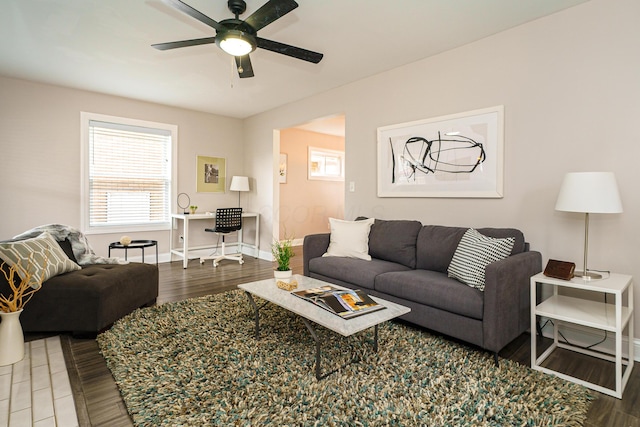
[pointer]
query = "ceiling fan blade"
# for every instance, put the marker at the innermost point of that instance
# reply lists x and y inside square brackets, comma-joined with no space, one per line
[269,12]
[285,49]
[243,64]
[185,8]
[184,43]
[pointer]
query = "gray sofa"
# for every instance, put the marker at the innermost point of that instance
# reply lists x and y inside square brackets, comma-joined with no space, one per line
[409,266]
[89,300]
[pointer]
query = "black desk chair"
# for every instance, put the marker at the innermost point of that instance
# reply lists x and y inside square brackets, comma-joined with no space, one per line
[228,220]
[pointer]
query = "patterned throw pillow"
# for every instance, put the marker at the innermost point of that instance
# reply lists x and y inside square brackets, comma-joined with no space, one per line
[474,252]
[43,252]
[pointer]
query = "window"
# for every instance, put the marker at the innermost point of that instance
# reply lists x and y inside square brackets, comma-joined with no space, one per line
[128,174]
[326,165]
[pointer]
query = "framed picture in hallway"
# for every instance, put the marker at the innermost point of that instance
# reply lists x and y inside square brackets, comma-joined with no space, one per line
[282,168]
[211,173]
[459,155]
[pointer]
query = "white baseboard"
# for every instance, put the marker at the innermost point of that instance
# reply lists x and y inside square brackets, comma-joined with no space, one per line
[150,258]
[584,336]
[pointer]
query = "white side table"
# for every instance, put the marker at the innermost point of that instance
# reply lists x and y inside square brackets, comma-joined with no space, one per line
[612,317]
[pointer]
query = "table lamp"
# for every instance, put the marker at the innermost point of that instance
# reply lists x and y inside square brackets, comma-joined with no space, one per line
[589,192]
[239,184]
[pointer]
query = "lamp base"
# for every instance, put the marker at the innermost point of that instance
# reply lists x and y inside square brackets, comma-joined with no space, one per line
[588,275]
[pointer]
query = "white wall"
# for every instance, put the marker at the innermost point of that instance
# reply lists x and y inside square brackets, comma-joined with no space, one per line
[569,84]
[40,155]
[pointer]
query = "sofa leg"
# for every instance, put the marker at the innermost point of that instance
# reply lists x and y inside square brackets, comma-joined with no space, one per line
[495,359]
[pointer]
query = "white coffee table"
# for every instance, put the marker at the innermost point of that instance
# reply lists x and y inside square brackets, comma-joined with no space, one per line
[309,312]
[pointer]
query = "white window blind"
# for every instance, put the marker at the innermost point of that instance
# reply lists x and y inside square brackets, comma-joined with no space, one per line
[129,175]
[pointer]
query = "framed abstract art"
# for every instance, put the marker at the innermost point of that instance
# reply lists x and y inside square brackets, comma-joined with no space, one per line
[459,155]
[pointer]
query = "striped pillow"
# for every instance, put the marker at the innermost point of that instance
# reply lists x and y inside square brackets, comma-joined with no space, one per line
[474,252]
[47,257]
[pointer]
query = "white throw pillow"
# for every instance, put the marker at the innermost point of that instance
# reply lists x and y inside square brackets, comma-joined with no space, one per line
[350,238]
[474,252]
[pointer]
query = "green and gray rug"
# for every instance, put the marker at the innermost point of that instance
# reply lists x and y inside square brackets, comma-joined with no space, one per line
[196,363]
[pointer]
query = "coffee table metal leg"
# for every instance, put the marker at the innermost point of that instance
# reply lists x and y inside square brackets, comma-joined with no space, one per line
[256,311]
[315,337]
[375,340]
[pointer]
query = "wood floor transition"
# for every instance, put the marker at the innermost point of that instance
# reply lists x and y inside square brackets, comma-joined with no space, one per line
[99,403]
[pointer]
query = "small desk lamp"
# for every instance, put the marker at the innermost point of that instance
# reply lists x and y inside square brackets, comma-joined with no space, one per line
[589,192]
[239,183]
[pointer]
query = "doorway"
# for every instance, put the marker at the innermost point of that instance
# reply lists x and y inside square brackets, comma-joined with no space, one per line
[311,184]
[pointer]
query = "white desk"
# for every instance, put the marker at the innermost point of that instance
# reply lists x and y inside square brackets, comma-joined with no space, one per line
[183,251]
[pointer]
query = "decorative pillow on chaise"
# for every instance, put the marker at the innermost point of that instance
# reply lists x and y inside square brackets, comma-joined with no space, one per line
[41,256]
[474,252]
[349,238]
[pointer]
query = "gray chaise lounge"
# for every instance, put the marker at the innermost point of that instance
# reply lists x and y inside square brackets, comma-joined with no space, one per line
[89,300]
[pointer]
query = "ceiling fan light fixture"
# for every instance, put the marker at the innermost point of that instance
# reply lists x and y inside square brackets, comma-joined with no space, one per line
[236,43]
[239,37]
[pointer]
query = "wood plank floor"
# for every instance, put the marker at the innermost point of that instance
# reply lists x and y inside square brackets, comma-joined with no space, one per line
[99,403]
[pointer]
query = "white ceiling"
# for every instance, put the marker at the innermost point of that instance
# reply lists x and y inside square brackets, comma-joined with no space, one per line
[104,46]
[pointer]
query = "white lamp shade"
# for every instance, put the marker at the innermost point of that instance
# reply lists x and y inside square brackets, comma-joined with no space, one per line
[239,183]
[589,192]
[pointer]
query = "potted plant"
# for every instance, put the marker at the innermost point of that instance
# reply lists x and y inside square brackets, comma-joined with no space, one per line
[193,209]
[282,251]
[11,336]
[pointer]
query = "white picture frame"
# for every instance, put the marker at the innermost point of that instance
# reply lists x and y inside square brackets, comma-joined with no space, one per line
[458,155]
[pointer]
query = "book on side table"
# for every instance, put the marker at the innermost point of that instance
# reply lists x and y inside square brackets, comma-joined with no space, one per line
[345,303]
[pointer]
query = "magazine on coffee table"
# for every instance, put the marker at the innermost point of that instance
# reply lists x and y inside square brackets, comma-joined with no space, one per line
[346,303]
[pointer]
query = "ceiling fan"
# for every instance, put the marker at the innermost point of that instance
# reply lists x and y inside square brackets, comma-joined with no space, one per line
[239,38]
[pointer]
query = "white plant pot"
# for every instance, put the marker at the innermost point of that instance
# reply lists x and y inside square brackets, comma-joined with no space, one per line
[285,276]
[11,338]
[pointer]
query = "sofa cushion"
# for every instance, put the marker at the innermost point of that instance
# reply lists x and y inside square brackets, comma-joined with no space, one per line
[65,245]
[395,241]
[433,289]
[436,245]
[352,270]
[349,239]
[40,256]
[90,299]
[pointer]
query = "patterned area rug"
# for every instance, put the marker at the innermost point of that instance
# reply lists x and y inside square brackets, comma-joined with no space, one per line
[196,363]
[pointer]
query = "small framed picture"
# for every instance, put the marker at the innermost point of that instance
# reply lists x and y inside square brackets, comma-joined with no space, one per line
[211,173]
[282,169]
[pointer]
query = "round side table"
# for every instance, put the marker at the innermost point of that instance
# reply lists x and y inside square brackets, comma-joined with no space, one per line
[135,244]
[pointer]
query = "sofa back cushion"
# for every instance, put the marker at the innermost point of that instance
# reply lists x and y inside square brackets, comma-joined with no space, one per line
[394,241]
[501,233]
[436,244]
